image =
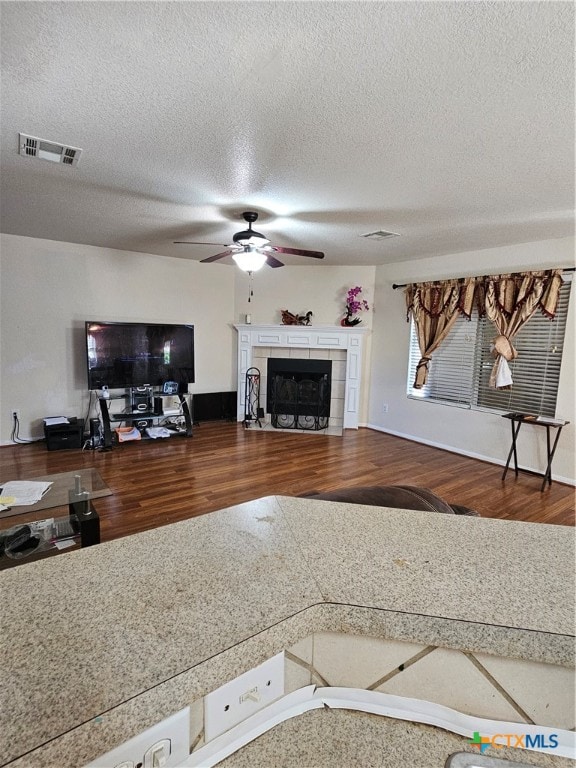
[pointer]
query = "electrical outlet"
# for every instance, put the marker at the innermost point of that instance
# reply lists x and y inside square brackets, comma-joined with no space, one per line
[384,407]
[166,744]
[235,701]
[15,414]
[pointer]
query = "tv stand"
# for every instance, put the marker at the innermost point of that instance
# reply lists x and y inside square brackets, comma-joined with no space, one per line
[138,418]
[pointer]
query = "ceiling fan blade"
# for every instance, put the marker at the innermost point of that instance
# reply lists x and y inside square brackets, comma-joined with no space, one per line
[273,262]
[193,242]
[299,252]
[216,257]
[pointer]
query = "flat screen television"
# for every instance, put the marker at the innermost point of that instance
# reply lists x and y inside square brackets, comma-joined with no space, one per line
[123,355]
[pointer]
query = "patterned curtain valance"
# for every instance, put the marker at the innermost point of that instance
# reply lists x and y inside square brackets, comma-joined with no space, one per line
[441,297]
[509,293]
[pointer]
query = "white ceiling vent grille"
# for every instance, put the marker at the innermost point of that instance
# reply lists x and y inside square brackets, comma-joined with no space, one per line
[32,146]
[380,234]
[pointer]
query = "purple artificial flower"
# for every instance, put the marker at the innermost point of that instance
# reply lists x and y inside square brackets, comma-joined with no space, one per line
[353,303]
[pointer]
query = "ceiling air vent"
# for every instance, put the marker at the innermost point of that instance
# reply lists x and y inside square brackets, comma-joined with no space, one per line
[32,146]
[380,234]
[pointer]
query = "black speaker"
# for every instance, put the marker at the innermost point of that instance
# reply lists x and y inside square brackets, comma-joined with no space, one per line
[210,406]
[158,406]
[94,428]
[141,399]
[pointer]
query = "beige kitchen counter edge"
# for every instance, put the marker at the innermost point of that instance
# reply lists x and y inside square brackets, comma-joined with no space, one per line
[103,642]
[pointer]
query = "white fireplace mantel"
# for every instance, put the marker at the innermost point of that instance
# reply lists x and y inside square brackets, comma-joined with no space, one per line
[306,337]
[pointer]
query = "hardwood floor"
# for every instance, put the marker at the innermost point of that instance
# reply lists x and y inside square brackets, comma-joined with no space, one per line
[160,482]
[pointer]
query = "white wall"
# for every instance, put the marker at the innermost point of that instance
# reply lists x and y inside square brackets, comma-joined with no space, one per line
[300,289]
[469,432]
[321,290]
[48,289]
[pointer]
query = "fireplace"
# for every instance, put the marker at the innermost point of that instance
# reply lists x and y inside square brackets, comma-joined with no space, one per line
[341,346]
[298,393]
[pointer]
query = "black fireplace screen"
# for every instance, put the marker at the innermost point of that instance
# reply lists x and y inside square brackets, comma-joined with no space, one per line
[298,393]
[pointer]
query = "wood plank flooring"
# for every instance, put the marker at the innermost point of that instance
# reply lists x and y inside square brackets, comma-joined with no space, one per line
[163,481]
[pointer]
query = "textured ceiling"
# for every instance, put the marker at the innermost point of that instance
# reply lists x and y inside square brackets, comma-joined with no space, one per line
[451,124]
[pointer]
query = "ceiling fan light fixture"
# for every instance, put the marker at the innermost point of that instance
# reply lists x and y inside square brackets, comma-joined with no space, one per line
[253,250]
[250,261]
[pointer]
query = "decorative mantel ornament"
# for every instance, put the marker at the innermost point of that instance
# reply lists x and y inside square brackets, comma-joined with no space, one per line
[353,306]
[289,319]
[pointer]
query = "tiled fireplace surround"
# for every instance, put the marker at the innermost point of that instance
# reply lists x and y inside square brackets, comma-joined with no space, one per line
[256,343]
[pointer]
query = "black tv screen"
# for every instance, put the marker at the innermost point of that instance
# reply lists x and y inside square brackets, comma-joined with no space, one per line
[122,355]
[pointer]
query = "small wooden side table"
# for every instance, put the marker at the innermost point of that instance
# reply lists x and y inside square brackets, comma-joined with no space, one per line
[516,421]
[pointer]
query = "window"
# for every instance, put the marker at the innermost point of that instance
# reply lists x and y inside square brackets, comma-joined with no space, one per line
[460,368]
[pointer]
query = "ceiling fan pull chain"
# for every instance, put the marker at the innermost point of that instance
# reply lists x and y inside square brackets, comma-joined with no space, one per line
[250,291]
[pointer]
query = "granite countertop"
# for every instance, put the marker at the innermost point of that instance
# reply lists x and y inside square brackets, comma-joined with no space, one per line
[99,644]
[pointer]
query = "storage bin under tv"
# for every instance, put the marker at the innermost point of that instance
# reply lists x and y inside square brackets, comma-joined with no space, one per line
[149,412]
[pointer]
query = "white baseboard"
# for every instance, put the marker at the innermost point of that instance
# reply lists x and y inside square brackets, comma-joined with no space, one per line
[27,441]
[462,452]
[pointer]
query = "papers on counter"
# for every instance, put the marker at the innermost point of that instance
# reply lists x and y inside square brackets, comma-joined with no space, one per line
[64,544]
[19,493]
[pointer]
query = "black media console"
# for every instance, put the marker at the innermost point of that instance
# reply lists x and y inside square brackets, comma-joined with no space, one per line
[143,407]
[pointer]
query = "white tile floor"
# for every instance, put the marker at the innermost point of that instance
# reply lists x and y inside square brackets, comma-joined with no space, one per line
[267,427]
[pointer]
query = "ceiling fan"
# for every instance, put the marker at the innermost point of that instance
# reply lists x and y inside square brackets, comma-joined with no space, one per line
[251,250]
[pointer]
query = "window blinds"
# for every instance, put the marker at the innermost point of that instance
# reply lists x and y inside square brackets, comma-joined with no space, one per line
[451,371]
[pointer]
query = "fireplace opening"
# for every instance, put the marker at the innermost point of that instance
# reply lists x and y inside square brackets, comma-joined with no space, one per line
[298,393]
